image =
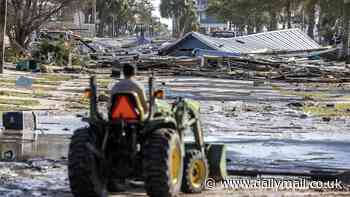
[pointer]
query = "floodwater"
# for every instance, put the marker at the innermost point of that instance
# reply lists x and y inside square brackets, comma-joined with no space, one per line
[278,138]
[53,138]
[260,130]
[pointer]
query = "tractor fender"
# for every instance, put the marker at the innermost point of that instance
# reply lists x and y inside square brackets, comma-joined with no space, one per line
[159,123]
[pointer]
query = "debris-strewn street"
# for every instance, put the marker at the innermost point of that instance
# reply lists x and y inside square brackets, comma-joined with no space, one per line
[167,98]
[270,126]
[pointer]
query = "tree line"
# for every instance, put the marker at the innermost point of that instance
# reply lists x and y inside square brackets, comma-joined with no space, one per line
[118,17]
[114,17]
[26,16]
[327,21]
[183,13]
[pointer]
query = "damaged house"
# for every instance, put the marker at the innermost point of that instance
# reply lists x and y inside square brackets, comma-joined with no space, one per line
[282,41]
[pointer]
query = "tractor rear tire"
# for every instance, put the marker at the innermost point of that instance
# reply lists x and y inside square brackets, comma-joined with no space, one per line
[163,163]
[84,167]
[196,172]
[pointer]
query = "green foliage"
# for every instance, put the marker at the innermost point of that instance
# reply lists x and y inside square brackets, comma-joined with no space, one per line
[340,109]
[59,49]
[11,55]
[27,16]
[55,77]
[34,94]
[183,12]
[122,16]
[19,102]
[252,16]
[76,60]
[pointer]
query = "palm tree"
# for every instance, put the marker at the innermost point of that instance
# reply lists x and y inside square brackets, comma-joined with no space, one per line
[182,12]
[172,9]
[310,9]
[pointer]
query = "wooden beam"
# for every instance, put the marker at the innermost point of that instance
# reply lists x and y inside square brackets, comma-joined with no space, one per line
[3,14]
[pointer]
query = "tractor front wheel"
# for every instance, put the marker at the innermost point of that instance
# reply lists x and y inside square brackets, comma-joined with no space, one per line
[163,163]
[196,172]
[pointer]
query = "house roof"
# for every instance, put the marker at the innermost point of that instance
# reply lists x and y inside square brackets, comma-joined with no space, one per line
[282,40]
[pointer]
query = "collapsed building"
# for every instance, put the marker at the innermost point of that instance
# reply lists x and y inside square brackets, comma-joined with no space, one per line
[282,41]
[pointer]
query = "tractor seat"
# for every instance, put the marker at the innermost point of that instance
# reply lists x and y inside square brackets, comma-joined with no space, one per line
[126,106]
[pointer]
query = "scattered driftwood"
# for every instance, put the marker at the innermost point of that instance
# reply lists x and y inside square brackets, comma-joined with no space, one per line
[290,69]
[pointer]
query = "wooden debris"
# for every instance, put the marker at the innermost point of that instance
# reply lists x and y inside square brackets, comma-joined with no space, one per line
[289,69]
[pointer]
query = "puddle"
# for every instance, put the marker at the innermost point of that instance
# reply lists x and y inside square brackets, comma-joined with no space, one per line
[53,138]
[47,146]
[59,124]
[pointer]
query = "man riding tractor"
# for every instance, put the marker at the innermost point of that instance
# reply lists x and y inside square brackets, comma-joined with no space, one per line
[142,142]
[130,84]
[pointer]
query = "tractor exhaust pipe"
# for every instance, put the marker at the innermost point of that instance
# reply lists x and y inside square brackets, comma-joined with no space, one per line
[94,113]
[151,98]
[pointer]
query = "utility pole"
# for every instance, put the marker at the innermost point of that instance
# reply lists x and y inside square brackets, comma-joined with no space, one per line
[346,30]
[95,16]
[3,14]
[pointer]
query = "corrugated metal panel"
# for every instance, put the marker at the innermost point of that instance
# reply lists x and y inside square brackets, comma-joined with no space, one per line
[283,40]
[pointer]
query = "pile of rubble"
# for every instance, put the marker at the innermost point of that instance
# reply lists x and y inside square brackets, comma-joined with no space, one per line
[283,68]
[246,57]
[253,67]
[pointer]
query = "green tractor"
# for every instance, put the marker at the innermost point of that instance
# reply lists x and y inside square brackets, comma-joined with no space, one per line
[148,147]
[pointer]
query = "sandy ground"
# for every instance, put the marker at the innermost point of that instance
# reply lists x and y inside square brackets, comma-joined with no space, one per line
[53,92]
[262,125]
[48,178]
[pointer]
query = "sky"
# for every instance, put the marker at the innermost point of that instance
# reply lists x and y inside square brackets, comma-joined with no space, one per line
[156,12]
